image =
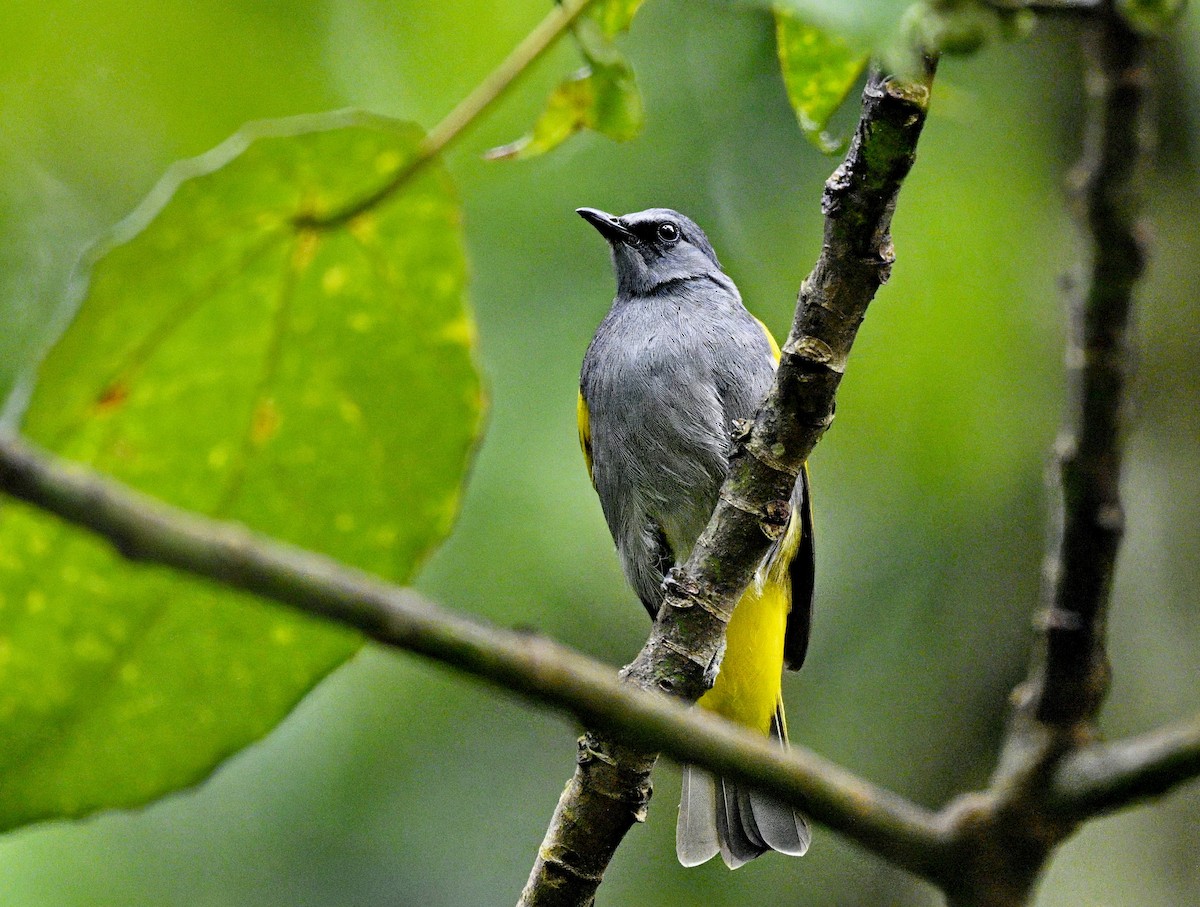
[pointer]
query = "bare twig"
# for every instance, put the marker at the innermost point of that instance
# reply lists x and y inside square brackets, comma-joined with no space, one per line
[611,784]
[1086,7]
[545,672]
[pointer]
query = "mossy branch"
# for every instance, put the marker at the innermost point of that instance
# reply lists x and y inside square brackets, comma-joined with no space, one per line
[611,786]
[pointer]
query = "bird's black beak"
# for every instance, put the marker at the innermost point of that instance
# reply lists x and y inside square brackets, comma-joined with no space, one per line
[609,225]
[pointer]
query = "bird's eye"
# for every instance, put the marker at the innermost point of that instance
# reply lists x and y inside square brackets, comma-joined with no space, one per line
[668,232]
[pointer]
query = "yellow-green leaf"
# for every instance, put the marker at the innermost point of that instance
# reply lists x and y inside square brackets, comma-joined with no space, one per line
[614,16]
[602,96]
[819,69]
[314,383]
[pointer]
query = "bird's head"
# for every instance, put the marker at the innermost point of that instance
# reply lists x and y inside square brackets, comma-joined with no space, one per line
[653,247]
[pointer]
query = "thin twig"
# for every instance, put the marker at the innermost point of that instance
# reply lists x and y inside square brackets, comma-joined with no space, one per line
[1086,7]
[545,672]
[560,18]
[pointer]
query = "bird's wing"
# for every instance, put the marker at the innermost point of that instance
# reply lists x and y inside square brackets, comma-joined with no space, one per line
[802,573]
[585,434]
[802,568]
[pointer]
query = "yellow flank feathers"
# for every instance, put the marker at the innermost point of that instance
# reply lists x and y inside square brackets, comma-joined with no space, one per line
[770,339]
[585,433]
[748,685]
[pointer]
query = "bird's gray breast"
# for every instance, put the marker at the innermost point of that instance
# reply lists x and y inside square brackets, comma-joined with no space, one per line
[664,378]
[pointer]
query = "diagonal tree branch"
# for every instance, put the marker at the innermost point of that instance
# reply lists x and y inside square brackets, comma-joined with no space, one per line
[611,785]
[545,672]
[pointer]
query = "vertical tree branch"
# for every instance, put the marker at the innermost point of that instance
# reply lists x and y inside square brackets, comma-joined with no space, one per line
[1071,679]
[1005,836]
[611,785]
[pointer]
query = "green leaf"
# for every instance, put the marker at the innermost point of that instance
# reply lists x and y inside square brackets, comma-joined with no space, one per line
[602,96]
[315,384]
[604,99]
[819,69]
[614,16]
[1151,17]
[960,28]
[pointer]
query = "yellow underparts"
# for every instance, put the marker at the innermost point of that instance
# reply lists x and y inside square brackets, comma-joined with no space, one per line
[749,685]
[748,688]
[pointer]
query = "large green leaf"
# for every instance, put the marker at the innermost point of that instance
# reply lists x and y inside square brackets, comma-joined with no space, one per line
[316,384]
[819,69]
[601,96]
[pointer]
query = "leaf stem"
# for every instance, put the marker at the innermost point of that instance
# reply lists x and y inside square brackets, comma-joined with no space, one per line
[493,87]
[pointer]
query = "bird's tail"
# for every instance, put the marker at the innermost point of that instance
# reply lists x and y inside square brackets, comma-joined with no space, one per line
[720,816]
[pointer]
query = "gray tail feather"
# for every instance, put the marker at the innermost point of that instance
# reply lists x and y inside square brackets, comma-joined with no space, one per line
[716,815]
[696,833]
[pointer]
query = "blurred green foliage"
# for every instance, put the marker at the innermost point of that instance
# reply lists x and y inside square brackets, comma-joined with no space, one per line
[398,783]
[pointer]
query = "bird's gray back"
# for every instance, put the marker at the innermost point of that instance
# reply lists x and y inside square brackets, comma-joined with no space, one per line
[664,378]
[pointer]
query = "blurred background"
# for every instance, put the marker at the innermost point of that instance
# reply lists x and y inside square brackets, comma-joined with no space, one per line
[400,783]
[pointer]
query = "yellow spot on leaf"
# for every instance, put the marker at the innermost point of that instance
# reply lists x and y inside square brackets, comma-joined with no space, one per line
[333,280]
[461,331]
[218,456]
[447,283]
[283,635]
[364,228]
[304,250]
[35,602]
[385,536]
[350,411]
[388,162]
[361,322]
[130,673]
[91,648]
[344,522]
[265,422]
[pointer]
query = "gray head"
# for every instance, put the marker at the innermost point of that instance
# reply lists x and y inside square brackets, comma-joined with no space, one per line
[653,247]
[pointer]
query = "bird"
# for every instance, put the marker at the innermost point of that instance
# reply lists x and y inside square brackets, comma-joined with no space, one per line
[676,363]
